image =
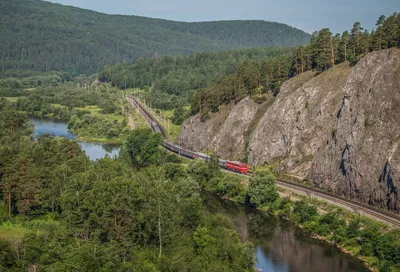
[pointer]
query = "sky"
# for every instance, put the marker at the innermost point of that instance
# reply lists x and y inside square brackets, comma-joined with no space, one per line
[308,15]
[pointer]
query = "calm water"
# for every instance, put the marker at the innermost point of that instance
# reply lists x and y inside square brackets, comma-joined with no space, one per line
[280,245]
[93,150]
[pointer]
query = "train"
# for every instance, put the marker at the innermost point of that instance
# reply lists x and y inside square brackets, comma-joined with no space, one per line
[234,166]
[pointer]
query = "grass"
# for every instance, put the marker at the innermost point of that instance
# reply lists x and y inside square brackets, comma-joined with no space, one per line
[96,111]
[100,140]
[138,120]
[58,106]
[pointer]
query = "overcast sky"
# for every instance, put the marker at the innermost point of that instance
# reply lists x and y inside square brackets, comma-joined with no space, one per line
[309,15]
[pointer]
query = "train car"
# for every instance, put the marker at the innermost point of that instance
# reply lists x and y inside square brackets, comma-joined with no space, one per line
[179,150]
[222,163]
[169,145]
[188,153]
[204,157]
[237,167]
[155,127]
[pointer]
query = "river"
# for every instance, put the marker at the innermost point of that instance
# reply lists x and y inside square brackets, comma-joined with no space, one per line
[93,150]
[281,246]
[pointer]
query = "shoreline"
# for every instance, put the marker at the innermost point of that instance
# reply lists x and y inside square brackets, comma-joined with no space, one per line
[312,234]
[93,140]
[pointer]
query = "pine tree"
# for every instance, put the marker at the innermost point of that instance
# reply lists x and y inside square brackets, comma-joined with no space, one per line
[343,49]
[356,46]
[324,54]
[379,38]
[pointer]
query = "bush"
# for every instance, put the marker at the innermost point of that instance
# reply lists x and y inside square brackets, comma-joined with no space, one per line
[231,187]
[304,212]
[262,188]
[284,207]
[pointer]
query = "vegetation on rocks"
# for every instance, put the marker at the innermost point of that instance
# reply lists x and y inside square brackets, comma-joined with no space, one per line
[259,78]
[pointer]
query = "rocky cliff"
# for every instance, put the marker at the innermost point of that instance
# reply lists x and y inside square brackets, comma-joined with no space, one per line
[224,132]
[362,158]
[340,129]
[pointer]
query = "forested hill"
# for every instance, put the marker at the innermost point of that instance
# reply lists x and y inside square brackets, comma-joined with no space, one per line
[43,36]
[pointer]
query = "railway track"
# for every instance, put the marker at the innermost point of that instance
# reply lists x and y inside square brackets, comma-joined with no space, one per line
[360,208]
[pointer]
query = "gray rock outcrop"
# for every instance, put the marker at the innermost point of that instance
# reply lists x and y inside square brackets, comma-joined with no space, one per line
[340,129]
[300,121]
[362,160]
[224,132]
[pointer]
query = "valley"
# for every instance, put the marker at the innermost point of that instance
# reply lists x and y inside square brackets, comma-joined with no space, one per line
[131,143]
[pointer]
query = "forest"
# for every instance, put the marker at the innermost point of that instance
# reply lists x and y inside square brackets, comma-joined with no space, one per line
[144,211]
[129,214]
[141,212]
[261,79]
[211,79]
[171,82]
[43,36]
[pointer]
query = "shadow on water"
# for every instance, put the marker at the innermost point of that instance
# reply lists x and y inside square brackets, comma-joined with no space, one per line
[93,150]
[280,245]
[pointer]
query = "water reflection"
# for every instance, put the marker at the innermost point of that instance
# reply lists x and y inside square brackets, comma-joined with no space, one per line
[280,245]
[93,150]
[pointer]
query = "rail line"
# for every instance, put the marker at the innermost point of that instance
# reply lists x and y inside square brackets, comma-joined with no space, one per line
[365,209]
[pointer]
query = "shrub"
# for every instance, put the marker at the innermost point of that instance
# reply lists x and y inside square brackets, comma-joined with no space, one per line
[262,188]
[304,212]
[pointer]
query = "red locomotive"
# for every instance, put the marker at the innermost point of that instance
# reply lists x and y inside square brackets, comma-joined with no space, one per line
[237,166]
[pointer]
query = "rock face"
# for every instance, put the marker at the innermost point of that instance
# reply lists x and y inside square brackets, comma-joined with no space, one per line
[340,129]
[224,132]
[299,122]
[362,159]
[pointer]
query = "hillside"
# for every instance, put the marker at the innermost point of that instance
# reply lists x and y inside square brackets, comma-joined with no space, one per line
[43,36]
[339,129]
[174,80]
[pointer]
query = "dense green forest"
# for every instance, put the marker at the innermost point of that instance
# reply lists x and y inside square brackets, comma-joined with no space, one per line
[44,36]
[171,82]
[260,79]
[211,79]
[143,212]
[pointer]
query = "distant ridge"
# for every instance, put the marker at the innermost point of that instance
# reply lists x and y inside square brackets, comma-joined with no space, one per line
[43,36]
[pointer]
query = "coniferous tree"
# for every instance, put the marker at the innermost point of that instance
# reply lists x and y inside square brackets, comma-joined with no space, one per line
[343,48]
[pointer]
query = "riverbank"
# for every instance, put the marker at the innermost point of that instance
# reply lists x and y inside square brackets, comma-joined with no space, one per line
[76,134]
[280,244]
[99,140]
[313,235]
[94,149]
[357,236]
